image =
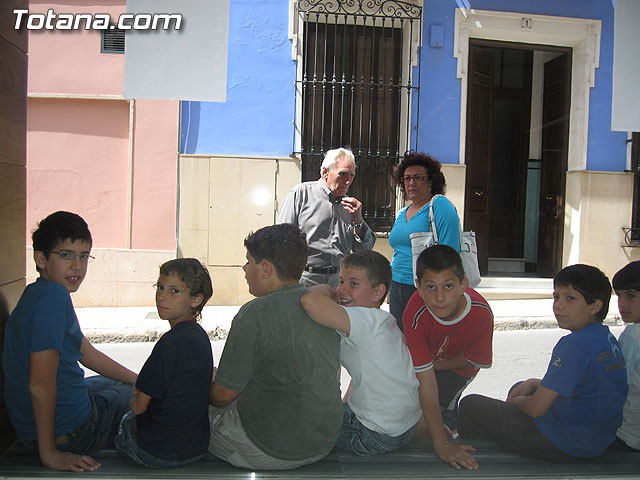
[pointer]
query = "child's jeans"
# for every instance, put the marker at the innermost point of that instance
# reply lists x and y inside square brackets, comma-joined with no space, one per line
[126,442]
[399,295]
[354,436]
[450,388]
[504,422]
[109,401]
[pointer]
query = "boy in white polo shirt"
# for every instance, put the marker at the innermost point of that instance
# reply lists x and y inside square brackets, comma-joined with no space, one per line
[381,408]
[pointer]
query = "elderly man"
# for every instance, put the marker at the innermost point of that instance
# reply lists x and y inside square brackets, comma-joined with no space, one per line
[331,220]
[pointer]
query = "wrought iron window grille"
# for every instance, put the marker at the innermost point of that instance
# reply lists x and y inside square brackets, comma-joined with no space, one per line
[355,87]
[631,237]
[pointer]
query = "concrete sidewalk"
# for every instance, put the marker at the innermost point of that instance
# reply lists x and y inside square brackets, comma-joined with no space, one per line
[141,324]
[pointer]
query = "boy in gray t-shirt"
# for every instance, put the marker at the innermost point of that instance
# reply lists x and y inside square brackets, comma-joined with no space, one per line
[276,395]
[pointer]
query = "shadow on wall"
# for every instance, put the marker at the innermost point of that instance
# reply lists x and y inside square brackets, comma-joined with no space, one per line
[7,433]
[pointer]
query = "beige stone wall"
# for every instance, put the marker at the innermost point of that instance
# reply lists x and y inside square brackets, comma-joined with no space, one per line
[222,199]
[116,278]
[598,207]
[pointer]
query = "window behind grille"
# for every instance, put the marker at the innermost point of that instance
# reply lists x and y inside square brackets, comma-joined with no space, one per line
[354,95]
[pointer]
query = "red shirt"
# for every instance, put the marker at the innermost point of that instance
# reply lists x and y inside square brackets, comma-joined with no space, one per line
[429,338]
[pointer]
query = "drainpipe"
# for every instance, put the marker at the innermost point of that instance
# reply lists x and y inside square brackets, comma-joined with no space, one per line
[132,111]
[178,178]
[635,168]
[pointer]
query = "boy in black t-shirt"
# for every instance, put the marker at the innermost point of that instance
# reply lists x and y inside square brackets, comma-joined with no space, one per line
[168,424]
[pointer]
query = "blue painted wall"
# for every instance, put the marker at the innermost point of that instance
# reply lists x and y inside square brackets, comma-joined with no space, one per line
[439,120]
[257,116]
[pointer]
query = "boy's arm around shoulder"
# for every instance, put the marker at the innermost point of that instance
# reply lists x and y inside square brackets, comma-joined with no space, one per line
[43,368]
[104,365]
[320,302]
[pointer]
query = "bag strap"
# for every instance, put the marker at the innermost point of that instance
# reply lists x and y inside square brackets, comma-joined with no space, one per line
[432,219]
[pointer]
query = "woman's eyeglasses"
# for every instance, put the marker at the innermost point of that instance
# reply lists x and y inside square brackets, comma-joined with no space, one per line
[415,178]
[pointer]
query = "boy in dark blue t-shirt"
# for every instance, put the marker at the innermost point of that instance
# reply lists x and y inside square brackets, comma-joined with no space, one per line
[574,411]
[52,407]
[168,424]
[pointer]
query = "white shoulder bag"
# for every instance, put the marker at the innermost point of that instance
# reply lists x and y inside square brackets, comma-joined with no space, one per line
[468,247]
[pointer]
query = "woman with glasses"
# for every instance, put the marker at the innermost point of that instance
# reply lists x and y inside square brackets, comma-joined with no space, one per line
[420,178]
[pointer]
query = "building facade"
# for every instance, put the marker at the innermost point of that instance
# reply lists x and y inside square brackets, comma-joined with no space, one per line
[514,98]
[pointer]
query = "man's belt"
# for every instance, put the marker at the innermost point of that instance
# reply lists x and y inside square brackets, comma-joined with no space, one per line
[322,270]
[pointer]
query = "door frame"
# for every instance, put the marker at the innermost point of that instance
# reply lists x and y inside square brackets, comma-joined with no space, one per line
[474,220]
[579,34]
[582,35]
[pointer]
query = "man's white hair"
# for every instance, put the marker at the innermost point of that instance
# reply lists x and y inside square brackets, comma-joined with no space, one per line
[337,153]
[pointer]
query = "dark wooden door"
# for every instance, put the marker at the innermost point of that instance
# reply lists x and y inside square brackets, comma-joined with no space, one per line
[555,140]
[478,150]
[508,184]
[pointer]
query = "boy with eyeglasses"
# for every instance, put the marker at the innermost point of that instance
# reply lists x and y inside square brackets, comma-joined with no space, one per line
[53,408]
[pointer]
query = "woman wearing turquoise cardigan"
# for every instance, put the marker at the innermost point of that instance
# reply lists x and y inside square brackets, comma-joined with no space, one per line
[420,178]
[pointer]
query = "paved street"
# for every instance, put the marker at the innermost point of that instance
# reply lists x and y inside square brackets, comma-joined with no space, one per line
[517,355]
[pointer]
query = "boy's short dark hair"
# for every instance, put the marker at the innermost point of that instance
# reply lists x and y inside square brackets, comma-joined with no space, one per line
[194,274]
[438,258]
[628,277]
[589,281]
[56,228]
[284,245]
[375,265]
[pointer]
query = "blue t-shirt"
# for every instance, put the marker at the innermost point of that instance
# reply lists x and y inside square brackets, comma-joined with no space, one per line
[44,319]
[587,371]
[177,376]
[447,227]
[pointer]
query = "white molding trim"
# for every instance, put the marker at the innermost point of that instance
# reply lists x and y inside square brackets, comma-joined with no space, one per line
[582,35]
[76,96]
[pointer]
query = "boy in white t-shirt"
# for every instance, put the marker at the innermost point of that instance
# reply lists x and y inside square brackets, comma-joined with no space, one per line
[626,284]
[381,407]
